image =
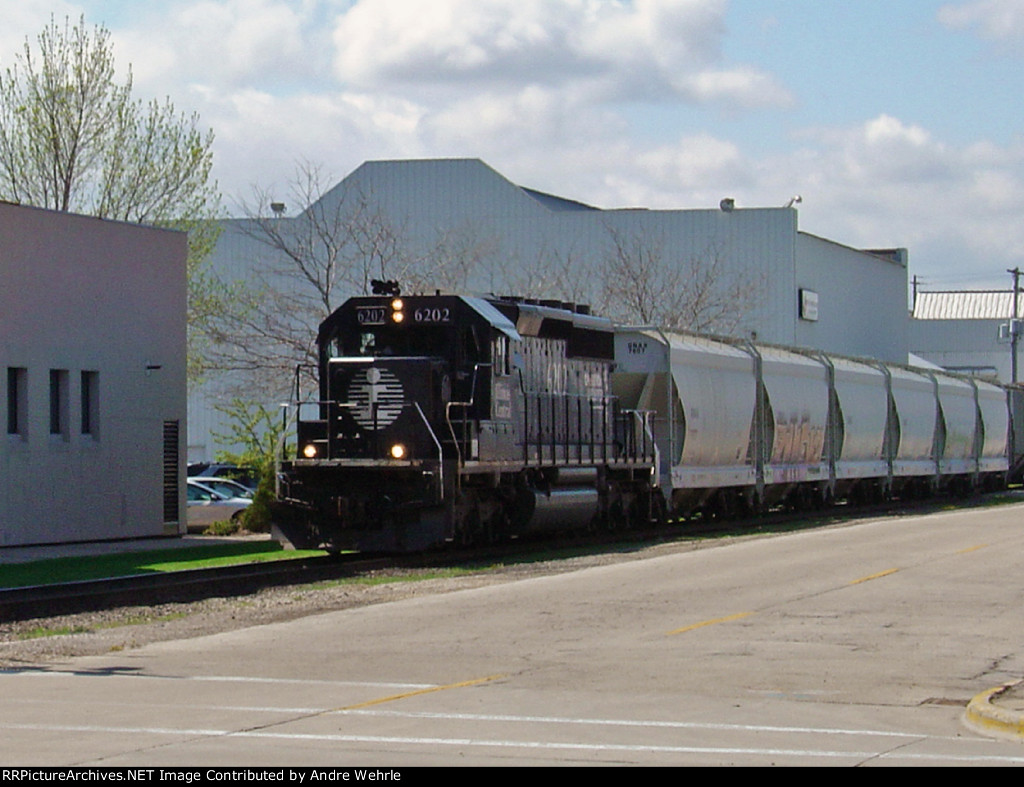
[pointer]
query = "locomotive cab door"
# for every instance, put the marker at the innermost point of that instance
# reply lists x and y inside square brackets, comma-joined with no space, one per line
[499,439]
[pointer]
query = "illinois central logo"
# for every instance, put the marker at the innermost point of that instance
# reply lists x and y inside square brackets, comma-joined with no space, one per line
[376,397]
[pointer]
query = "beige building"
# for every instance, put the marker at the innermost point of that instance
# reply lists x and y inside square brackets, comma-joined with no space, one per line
[92,358]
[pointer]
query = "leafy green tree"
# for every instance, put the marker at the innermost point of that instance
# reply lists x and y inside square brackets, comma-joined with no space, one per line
[260,434]
[73,139]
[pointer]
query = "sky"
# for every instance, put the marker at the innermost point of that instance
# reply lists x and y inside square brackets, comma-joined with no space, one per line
[899,124]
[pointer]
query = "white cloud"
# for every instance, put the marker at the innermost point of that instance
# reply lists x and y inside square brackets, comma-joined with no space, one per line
[1000,20]
[608,49]
[888,183]
[225,43]
[744,88]
[261,136]
[552,93]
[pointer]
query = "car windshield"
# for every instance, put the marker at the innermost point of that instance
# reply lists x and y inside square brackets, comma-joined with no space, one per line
[196,492]
[228,488]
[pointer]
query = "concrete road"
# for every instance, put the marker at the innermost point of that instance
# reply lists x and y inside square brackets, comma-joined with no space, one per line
[846,646]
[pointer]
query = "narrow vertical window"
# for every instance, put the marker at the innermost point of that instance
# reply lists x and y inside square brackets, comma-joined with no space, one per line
[90,403]
[59,402]
[17,400]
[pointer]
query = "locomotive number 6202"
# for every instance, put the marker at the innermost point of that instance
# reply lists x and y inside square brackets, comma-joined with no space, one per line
[432,315]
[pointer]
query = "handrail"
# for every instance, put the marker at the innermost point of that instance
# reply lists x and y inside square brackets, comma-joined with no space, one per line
[472,400]
[437,445]
[644,421]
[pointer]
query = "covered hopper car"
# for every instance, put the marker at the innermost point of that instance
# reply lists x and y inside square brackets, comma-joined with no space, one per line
[445,418]
[741,426]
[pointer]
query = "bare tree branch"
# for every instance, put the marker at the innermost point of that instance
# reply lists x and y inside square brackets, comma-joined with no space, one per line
[642,283]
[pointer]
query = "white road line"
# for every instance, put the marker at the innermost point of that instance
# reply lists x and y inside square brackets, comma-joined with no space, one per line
[542,745]
[514,719]
[680,725]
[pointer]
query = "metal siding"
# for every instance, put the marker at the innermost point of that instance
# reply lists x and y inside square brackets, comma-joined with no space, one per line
[959,412]
[914,395]
[864,403]
[995,416]
[965,305]
[797,388]
[862,301]
[717,391]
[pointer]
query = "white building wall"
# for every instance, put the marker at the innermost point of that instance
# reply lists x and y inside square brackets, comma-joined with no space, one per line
[428,198]
[80,294]
[960,331]
[969,346]
[861,300]
[234,261]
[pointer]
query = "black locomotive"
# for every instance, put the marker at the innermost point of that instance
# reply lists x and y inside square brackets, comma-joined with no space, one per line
[449,418]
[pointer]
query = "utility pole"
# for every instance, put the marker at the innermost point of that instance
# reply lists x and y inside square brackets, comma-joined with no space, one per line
[1014,323]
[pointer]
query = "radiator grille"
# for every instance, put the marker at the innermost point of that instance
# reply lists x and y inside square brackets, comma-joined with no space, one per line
[172,479]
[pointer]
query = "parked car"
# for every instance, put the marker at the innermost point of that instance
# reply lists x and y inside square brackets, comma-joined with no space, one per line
[206,506]
[243,475]
[224,486]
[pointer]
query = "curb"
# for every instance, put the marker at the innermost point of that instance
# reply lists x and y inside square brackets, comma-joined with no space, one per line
[984,716]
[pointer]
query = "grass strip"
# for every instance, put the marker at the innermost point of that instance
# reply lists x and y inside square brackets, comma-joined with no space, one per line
[121,564]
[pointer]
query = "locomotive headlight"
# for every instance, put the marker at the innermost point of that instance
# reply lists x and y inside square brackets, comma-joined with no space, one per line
[309,451]
[397,315]
[398,451]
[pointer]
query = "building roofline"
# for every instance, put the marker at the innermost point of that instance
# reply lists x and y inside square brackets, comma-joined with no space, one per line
[896,255]
[87,217]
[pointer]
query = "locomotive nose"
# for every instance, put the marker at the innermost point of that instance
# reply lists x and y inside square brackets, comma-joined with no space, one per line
[376,397]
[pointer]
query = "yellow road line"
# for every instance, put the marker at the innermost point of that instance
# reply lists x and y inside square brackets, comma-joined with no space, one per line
[394,697]
[684,629]
[875,576]
[972,549]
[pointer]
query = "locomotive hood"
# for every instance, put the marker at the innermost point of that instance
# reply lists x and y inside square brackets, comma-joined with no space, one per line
[457,306]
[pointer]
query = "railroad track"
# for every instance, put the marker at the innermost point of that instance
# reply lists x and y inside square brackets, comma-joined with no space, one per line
[41,601]
[196,584]
[174,586]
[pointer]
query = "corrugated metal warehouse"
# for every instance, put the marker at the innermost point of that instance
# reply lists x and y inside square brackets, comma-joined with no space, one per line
[485,234]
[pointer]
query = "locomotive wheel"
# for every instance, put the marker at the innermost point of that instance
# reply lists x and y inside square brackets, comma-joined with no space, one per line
[659,509]
[616,519]
[469,527]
